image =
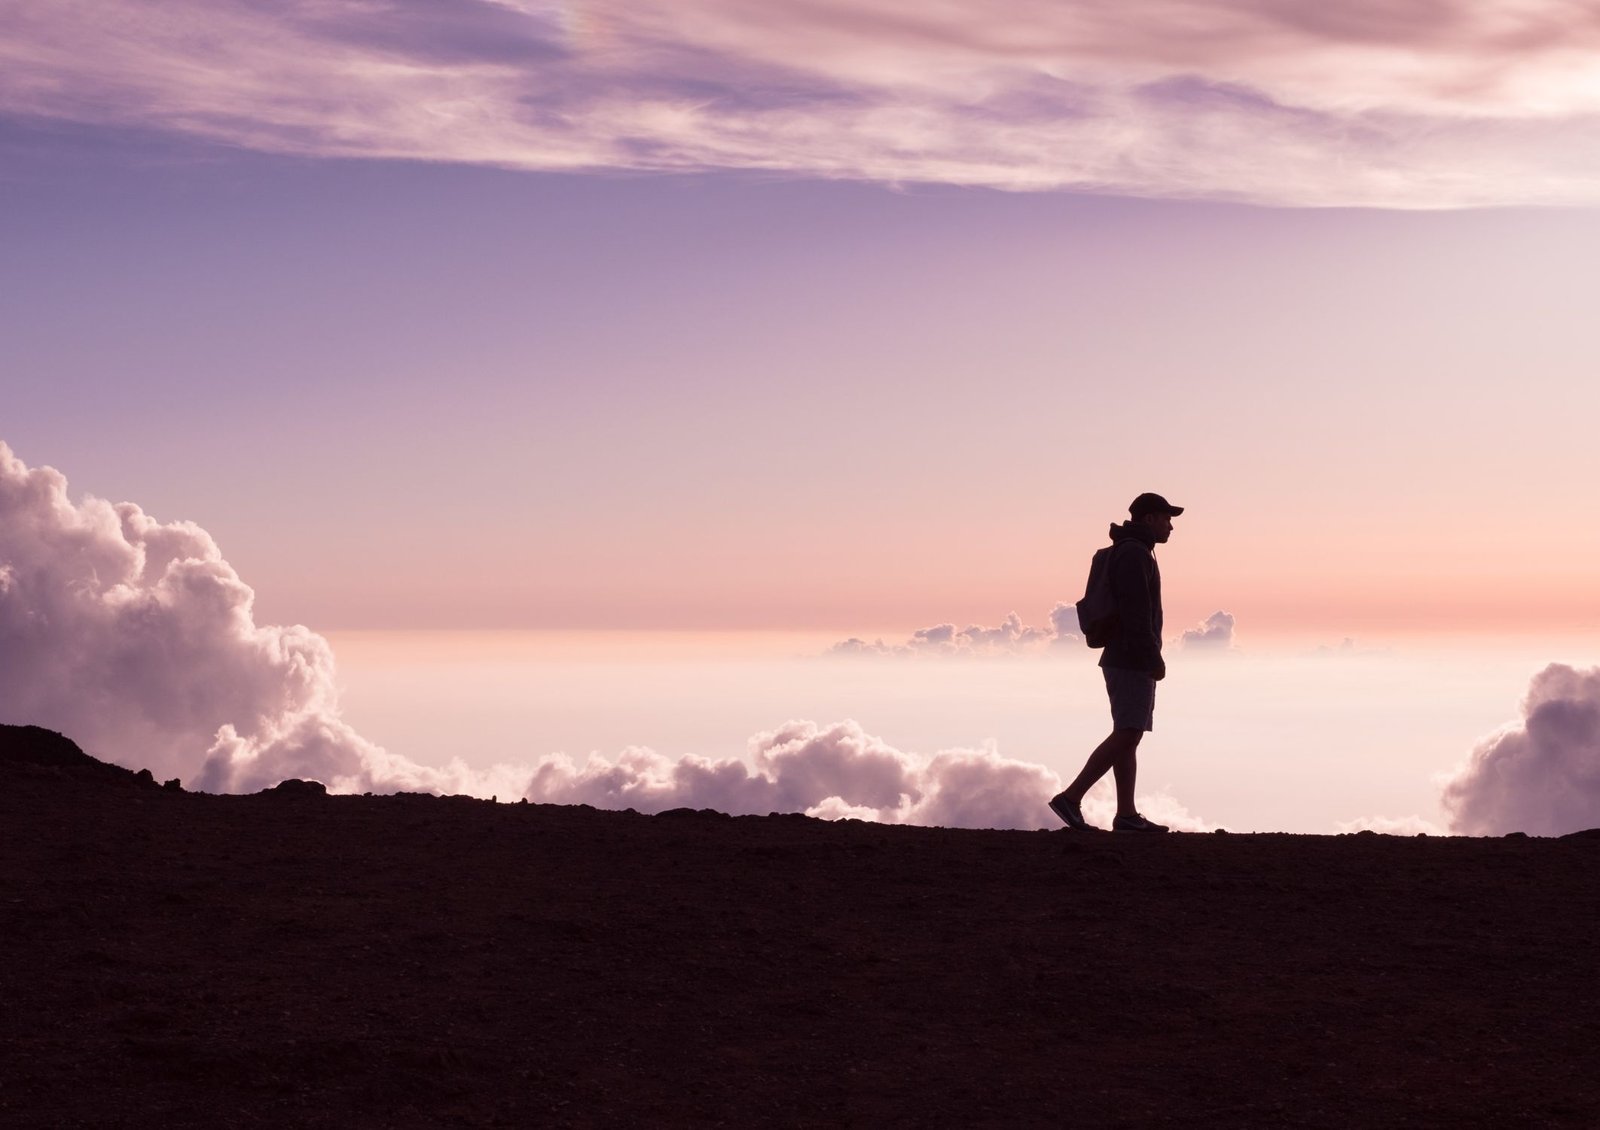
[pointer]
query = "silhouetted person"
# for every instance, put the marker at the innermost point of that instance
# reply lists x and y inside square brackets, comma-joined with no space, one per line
[1131,663]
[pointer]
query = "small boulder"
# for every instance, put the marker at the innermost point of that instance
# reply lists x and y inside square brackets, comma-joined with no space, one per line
[295,787]
[692,813]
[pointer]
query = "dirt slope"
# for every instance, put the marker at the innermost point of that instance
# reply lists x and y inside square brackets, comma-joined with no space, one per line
[179,959]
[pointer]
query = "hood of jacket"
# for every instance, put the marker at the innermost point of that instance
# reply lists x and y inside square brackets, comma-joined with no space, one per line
[1138,531]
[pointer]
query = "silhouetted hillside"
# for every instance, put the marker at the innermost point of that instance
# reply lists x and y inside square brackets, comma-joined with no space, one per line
[292,958]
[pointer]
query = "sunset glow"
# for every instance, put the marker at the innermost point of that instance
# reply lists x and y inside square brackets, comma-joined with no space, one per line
[596,345]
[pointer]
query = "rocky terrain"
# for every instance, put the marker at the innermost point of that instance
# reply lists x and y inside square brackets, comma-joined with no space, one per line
[295,959]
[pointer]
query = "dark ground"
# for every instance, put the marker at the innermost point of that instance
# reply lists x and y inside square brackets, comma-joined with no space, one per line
[179,959]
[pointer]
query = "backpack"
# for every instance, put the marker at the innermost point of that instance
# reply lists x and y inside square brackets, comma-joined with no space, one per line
[1097,611]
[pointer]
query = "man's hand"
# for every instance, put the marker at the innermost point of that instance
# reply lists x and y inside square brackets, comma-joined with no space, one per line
[1161,670]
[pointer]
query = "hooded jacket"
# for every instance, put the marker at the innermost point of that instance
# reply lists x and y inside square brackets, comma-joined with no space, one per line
[1136,585]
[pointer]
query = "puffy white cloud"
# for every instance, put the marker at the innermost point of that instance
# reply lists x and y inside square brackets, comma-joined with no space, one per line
[831,771]
[1064,624]
[137,639]
[1213,633]
[835,772]
[1010,637]
[1540,775]
[1450,103]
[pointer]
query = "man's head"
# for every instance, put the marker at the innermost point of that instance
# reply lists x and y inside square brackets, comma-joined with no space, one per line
[1156,512]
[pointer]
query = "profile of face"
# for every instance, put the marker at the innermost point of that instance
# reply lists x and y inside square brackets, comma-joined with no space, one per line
[1160,523]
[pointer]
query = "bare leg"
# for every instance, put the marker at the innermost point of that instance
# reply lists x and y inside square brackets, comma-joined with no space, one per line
[1119,754]
[1125,769]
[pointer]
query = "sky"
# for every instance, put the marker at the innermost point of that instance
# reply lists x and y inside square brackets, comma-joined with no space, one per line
[845,320]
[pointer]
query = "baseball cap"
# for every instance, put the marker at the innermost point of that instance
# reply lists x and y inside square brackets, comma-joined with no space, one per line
[1148,503]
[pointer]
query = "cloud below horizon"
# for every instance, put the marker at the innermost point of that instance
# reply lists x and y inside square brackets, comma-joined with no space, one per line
[1540,775]
[1214,633]
[1010,637]
[1291,103]
[835,772]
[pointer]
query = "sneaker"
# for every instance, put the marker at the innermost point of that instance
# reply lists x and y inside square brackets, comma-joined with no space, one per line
[1136,823]
[1071,814]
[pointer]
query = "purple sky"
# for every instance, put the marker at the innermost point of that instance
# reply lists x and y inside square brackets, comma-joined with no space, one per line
[849,319]
[1276,101]
[709,379]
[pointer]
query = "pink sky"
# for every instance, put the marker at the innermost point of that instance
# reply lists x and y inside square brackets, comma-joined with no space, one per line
[710,315]
[843,320]
[138,638]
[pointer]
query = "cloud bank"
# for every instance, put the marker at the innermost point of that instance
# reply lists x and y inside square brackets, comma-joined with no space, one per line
[1449,103]
[836,772]
[1540,775]
[1010,637]
[137,639]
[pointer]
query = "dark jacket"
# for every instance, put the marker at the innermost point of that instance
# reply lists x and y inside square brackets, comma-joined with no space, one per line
[1136,584]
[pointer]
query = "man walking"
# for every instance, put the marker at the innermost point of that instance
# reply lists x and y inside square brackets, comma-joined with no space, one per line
[1131,663]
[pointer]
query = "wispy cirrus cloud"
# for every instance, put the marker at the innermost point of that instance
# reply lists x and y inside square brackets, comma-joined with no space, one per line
[1436,104]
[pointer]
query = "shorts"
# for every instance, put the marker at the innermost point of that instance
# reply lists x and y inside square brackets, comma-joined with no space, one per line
[1133,699]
